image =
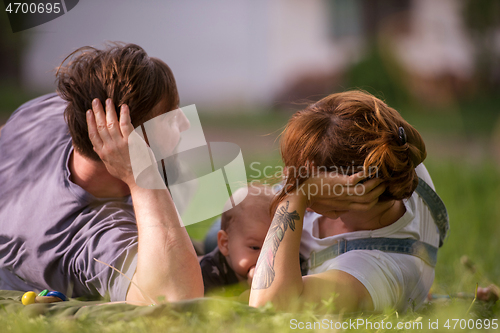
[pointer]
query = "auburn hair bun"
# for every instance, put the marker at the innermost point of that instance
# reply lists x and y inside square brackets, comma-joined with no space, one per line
[357,130]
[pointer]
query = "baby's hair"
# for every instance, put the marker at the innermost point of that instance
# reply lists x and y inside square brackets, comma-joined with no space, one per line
[352,128]
[263,193]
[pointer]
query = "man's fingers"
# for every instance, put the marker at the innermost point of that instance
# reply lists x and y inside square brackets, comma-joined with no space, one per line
[112,120]
[100,119]
[94,136]
[125,121]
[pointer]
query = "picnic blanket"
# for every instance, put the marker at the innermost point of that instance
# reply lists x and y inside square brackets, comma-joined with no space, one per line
[10,302]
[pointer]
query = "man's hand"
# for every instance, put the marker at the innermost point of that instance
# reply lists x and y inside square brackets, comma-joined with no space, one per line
[167,267]
[110,138]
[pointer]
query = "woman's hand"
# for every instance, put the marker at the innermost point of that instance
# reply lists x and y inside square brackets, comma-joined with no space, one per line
[335,192]
[110,138]
[277,275]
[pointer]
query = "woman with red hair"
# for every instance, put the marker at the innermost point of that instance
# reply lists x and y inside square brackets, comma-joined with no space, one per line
[369,237]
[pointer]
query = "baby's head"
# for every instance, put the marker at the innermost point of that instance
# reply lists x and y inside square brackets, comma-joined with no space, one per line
[243,230]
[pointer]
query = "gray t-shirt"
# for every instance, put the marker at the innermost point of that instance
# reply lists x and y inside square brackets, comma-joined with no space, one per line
[50,228]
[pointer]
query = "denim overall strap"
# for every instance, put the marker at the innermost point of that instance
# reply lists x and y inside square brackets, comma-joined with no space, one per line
[422,250]
[436,207]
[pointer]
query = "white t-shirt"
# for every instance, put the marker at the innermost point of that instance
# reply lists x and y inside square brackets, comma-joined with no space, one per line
[395,280]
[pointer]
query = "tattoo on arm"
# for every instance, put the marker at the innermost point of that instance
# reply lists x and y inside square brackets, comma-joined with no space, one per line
[264,272]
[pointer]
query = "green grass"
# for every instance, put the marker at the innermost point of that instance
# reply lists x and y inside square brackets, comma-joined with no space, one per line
[226,317]
[11,97]
[471,193]
[478,117]
[247,119]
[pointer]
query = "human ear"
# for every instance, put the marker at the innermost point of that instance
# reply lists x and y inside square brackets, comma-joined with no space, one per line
[222,242]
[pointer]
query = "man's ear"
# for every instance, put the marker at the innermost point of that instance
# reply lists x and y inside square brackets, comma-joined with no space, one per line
[222,242]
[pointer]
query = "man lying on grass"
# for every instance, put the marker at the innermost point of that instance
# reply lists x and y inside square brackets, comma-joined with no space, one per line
[65,200]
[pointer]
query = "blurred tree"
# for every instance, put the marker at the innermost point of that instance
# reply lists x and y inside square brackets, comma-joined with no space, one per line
[482,17]
[380,74]
[11,49]
[363,17]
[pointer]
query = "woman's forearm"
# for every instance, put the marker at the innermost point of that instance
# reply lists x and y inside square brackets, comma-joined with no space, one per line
[277,276]
[167,266]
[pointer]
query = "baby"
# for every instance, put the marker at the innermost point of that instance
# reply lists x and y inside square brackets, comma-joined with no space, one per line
[243,230]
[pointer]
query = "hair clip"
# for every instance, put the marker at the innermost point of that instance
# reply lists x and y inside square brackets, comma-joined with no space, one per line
[402,136]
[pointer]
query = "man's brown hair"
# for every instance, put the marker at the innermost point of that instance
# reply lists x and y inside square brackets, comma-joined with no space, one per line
[122,72]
